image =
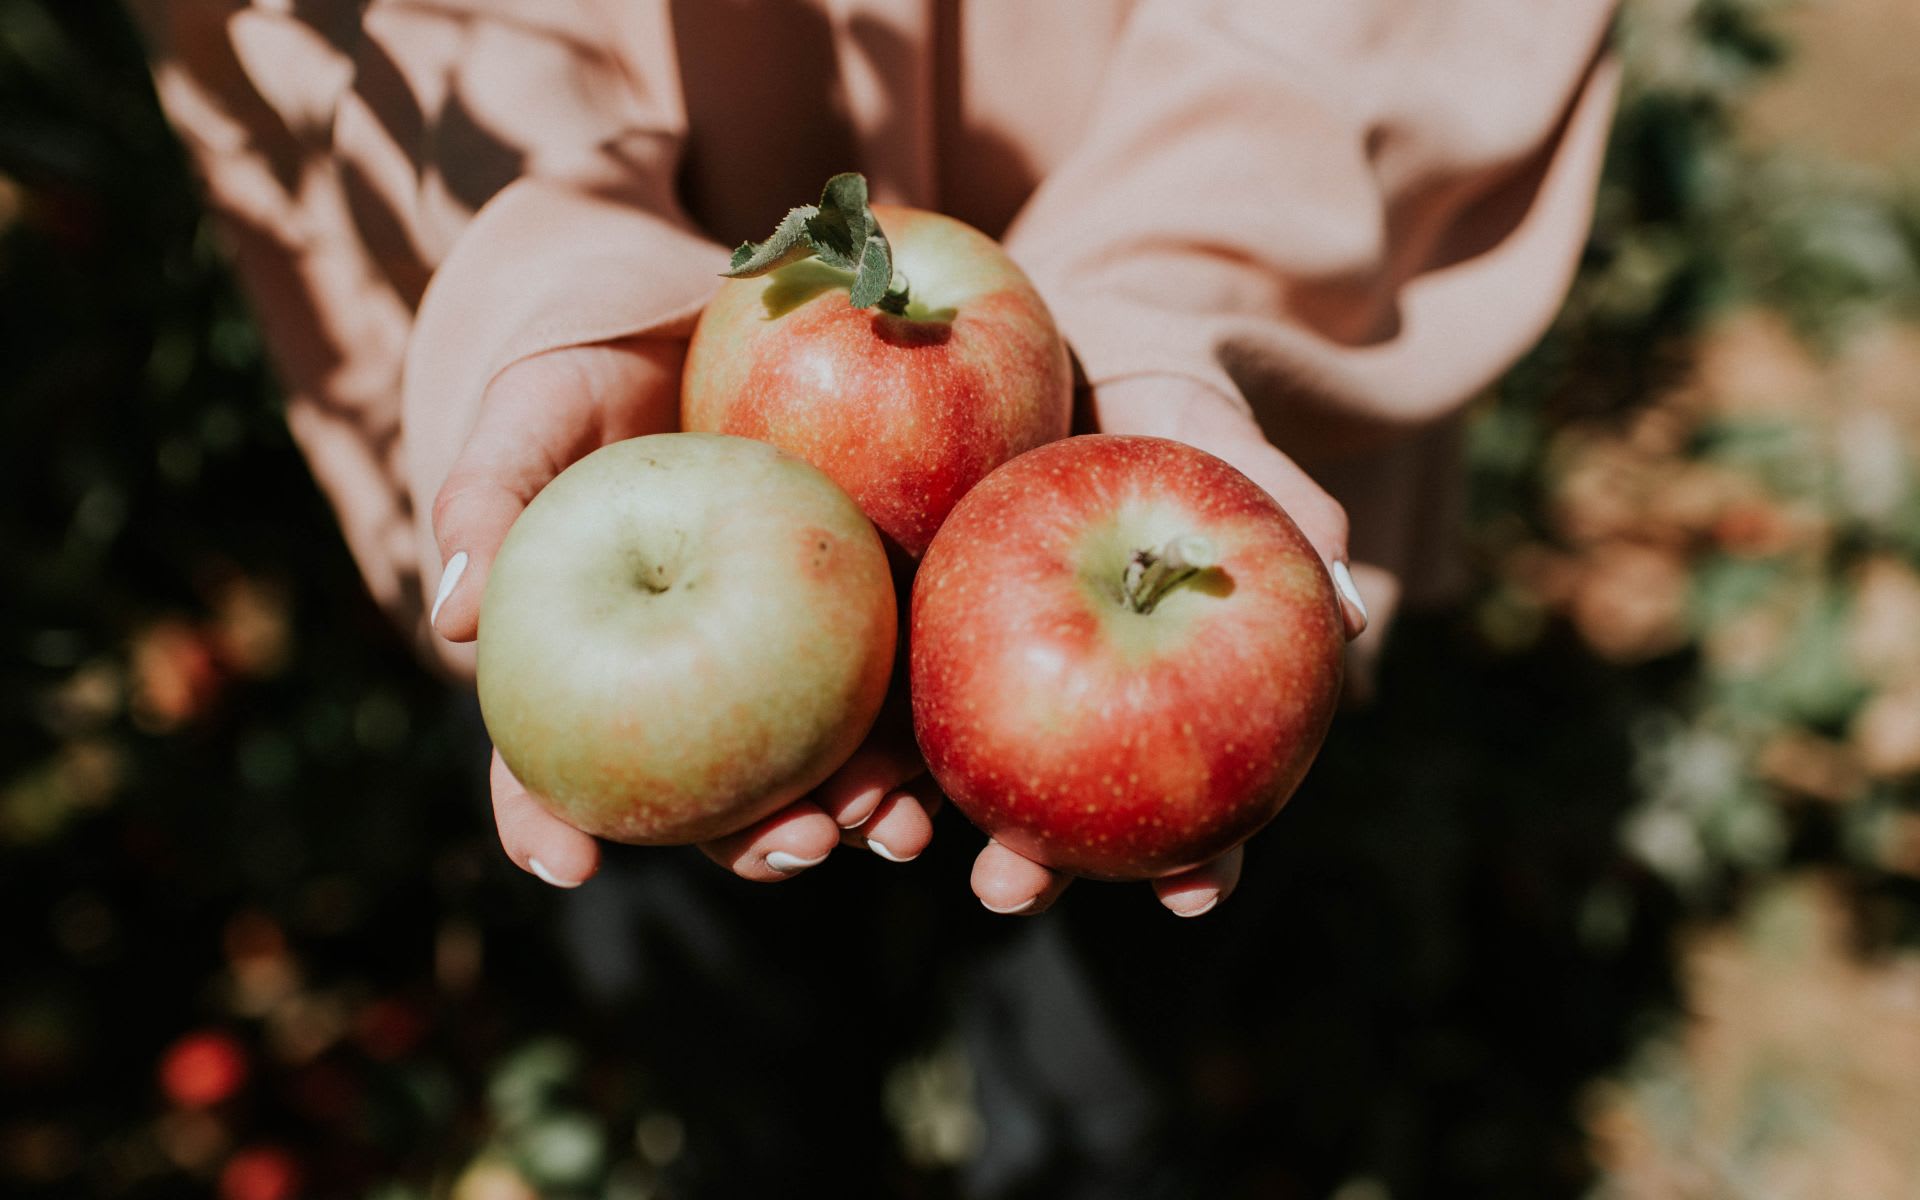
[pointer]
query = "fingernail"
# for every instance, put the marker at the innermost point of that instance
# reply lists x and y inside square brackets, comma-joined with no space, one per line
[787,864]
[449,579]
[1343,580]
[1202,911]
[545,876]
[860,813]
[880,848]
[1015,911]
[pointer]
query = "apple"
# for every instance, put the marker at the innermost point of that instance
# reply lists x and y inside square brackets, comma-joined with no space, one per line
[681,634]
[953,368]
[1124,656]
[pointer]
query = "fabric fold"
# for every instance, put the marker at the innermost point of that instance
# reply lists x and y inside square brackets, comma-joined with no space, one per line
[1284,209]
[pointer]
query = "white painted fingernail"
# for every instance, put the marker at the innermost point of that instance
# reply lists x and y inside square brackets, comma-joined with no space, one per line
[449,579]
[787,864]
[856,815]
[1015,911]
[545,876]
[1343,580]
[1202,911]
[880,848]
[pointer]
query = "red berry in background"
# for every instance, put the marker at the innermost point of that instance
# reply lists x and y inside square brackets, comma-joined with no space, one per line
[388,1029]
[203,1068]
[176,674]
[260,1173]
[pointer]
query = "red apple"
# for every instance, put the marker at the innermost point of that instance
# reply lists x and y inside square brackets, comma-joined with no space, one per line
[905,409]
[1124,656]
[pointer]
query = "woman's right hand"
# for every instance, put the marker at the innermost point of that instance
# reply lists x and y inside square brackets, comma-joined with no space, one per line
[538,417]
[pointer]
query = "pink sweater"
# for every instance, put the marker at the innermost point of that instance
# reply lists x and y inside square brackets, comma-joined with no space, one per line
[1352,214]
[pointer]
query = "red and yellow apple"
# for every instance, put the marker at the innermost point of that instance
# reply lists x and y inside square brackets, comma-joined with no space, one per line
[681,634]
[905,409]
[1124,656]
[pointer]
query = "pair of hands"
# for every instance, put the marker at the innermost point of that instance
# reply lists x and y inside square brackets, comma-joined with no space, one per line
[544,413]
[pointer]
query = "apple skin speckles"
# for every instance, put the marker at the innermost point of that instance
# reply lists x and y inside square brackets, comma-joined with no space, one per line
[1093,738]
[904,412]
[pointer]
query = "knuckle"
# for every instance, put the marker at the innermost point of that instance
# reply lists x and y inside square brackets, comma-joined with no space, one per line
[446,502]
[1321,517]
[450,502]
[1333,519]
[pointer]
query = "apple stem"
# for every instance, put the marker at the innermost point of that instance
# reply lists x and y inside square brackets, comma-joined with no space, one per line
[842,232]
[897,296]
[1151,574]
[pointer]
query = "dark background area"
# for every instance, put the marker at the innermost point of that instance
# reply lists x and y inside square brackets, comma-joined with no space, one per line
[1583,902]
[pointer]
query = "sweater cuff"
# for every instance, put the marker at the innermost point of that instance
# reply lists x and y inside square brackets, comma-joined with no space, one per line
[542,266]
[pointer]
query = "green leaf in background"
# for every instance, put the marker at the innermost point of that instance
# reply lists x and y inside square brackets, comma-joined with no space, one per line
[525,1082]
[566,1149]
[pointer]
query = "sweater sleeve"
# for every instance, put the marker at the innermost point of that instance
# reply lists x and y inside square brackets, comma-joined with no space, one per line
[543,266]
[417,193]
[1351,216]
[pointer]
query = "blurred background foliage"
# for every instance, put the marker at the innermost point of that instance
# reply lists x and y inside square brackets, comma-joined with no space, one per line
[1619,894]
[1706,472]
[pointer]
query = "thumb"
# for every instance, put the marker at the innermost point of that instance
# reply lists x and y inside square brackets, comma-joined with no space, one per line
[1321,518]
[538,417]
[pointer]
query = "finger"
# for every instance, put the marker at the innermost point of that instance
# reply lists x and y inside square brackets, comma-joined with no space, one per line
[854,793]
[538,417]
[1382,590]
[799,836]
[1192,893]
[1011,885]
[536,840]
[1319,517]
[901,827]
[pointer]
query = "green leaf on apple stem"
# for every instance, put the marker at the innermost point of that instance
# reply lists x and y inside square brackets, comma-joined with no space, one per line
[841,232]
[841,226]
[873,283]
[787,245]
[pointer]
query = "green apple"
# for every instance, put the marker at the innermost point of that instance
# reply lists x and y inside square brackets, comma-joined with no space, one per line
[681,634]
